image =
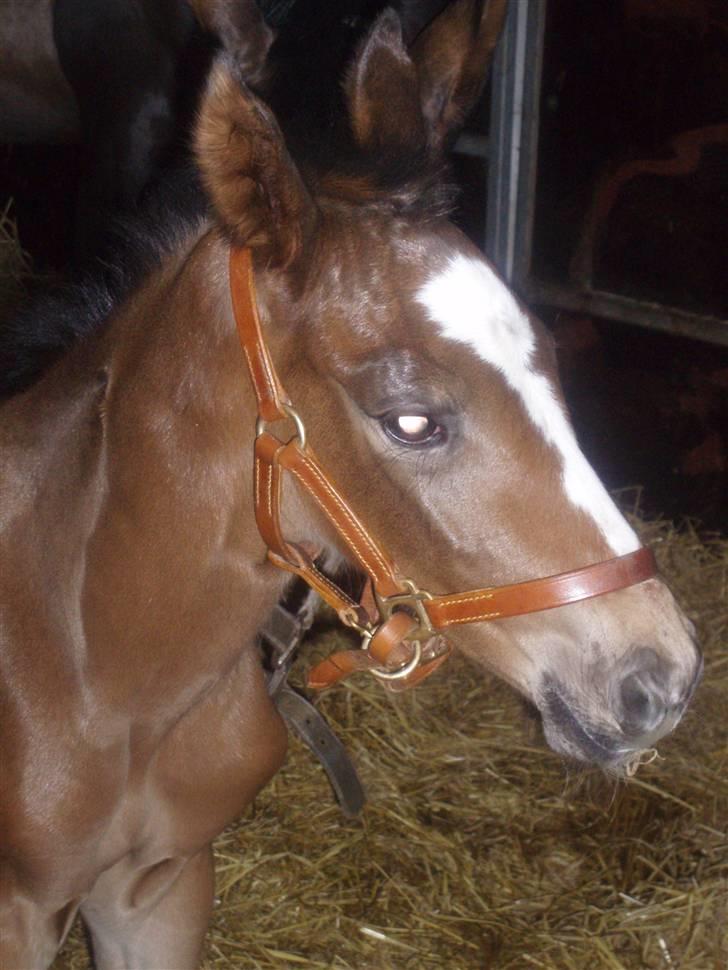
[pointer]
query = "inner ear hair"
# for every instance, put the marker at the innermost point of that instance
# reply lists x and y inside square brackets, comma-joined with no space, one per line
[255,187]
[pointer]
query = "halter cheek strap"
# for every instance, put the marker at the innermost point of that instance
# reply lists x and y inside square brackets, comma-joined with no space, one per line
[399,622]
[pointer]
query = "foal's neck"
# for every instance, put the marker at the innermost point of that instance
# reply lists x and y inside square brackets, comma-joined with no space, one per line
[177,524]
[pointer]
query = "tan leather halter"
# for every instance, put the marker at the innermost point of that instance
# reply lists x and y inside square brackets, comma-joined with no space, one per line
[399,622]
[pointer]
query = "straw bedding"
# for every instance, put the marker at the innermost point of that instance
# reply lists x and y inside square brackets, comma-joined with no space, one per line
[479,849]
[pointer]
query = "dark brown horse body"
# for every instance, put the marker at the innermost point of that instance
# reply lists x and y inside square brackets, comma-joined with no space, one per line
[135,721]
[122,79]
[37,101]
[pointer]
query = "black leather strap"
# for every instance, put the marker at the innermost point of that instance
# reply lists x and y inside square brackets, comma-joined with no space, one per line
[313,730]
[280,638]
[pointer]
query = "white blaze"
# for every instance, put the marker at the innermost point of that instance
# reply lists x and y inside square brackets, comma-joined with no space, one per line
[471,305]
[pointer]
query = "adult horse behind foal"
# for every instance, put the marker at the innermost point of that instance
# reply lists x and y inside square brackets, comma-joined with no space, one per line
[136,722]
[120,78]
[123,79]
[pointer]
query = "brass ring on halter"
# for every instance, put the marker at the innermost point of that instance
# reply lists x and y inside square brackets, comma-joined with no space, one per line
[381,674]
[413,601]
[261,425]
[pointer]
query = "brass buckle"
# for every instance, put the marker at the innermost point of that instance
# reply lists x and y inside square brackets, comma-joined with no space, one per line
[386,606]
[261,425]
[414,602]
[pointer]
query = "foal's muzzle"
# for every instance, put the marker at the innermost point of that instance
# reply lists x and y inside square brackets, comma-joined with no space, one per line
[647,695]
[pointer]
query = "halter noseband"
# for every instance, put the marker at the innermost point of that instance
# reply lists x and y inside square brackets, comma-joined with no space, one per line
[399,622]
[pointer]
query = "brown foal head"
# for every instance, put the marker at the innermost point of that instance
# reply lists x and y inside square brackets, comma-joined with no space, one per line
[431,394]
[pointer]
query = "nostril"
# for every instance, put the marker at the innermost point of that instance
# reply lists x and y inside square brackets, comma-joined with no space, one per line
[642,704]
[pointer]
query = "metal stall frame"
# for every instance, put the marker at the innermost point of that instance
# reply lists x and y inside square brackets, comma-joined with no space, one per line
[513,164]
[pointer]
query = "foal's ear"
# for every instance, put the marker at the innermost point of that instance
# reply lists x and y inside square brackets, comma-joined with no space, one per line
[382,91]
[400,99]
[452,56]
[255,187]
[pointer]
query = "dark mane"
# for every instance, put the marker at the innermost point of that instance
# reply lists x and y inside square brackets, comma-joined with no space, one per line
[406,186]
[57,317]
[315,121]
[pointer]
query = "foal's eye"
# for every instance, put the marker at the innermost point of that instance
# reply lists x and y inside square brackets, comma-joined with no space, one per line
[413,429]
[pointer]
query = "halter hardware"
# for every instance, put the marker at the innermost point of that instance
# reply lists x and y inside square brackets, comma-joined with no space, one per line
[413,601]
[261,425]
[407,668]
[399,623]
[410,603]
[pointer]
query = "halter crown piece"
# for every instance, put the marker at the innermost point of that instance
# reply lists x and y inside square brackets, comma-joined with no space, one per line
[399,623]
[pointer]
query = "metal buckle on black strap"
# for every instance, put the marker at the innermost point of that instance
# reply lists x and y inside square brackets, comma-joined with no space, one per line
[280,638]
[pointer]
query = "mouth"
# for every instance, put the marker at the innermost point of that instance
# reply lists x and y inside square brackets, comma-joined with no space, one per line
[577,737]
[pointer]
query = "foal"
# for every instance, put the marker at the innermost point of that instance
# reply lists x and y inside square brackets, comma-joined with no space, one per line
[136,722]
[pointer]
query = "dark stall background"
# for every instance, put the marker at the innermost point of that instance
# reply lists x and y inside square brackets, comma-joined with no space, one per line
[633,165]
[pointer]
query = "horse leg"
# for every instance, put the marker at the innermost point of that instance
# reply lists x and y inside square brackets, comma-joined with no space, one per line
[158,917]
[31,935]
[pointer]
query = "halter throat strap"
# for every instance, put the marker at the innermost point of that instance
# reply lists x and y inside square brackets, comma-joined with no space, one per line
[399,622]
